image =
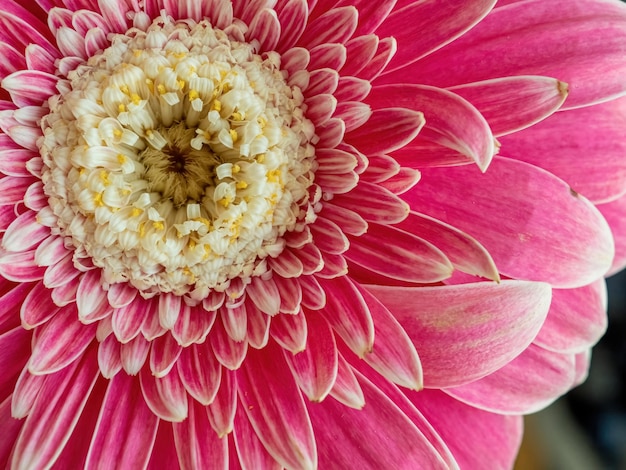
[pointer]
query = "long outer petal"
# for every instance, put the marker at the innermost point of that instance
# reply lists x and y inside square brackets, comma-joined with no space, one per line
[527,384]
[55,413]
[464,332]
[275,408]
[511,41]
[126,427]
[473,436]
[505,209]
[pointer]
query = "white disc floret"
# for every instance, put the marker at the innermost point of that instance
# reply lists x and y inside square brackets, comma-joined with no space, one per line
[178,159]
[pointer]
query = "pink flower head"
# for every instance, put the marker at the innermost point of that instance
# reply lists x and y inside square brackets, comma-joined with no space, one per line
[265,234]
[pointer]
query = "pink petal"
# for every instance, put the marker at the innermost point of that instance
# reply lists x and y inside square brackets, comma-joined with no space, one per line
[329,56]
[527,384]
[350,222]
[465,253]
[532,97]
[511,40]
[114,13]
[313,295]
[14,350]
[394,355]
[24,233]
[346,388]
[193,325]
[386,130]
[473,436]
[197,445]
[235,321]
[228,352]
[134,354]
[163,355]
[249,450]
[221,411]
[265,28]
[126,428]
[577,319]
[30,87]
[600,172]
[127,321]
[409,258]
[264,293]
[258,328]
[337,25]
[20,267]
[424,26]
[91,300]
[165,396]
[169,309]
[275,408]
[60,342]
[290,331]
[292,17]
[55,414]
[615,214]
[10,431]
[453,350]
[451,122]
[348,314]
[199,372]
[349,438]
[109,357]
[290,294]
[37,307]
[315,367]
[373,203]
[508,203]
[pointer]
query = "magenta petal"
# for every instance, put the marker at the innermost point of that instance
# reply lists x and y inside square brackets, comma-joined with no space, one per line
[615,214]
[126,428]
[409,258]
[346,388]
[10,431]
[511,41]
[600,171]
[228,352]
[505,210]
[527,384]
[275,408]
[199,372]
[473,436]
[378,436]
[55,414]
[465,253]
[24,233]
[14,350]
[464,332]
[59,342]
[290,331]
[164,353]
[533,98]
[251,453]
[348,314]
[165,396]
[394,355]
[577,319]
[30,87]
[315,368]
[37,307]
[424,26]
[221,411]
[197,445]
[451,122]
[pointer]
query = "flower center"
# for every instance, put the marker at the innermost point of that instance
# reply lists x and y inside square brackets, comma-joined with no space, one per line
[178,159]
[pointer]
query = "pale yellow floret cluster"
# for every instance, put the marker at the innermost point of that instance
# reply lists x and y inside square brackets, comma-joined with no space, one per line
[179,159]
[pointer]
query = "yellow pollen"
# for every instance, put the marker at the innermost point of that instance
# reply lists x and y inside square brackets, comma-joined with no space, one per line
[158,225]
[193,95]
[180,55]
[207,250]
[161,89]
[142,229]
[241,185]
[136,98]
[126,192]
[226,201]
[273,176]
[97,198]
[121,158]
[125,90]
[136,212]
[181,84]
[260,158]
[150,85]
[121,108]
[216,106]
[233,134]
[137,52]
[117,133]
[226,87]
[237,116]
[104,176]
[191,244]
[236,169]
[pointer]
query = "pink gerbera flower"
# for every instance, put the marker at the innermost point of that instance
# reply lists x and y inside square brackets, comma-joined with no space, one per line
[215,253]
